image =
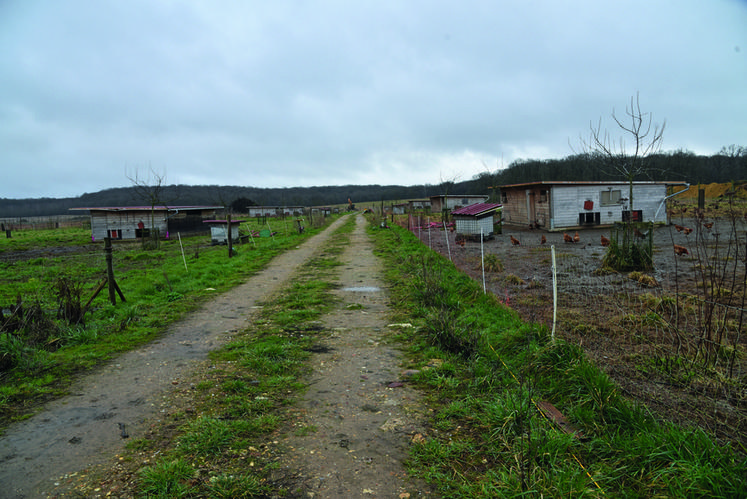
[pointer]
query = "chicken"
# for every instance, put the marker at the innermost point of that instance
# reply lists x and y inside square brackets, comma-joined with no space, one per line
[567,238]
[576,237]
[605,241]
[678,227]
[515,241]
[708,225]
[543,240]
[687,231]
[680,250]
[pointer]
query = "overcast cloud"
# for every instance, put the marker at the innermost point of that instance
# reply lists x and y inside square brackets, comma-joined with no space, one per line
[285,94]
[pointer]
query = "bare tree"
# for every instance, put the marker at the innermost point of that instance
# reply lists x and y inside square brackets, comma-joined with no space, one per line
[626,157]
[151,189]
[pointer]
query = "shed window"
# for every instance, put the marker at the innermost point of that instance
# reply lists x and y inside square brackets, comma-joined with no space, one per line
[543,196]
[504,198]
[608,198]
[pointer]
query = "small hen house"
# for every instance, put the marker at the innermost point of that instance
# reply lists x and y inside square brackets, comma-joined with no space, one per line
[219,230]
[475,220]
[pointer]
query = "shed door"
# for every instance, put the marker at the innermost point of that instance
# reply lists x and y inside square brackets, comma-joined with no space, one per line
[531,211]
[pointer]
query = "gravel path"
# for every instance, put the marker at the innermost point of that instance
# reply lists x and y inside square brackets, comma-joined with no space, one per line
[363,416]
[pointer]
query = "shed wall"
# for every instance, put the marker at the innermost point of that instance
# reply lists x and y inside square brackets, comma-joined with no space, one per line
[473,225]
[125,223]
[568,202]
[560,206]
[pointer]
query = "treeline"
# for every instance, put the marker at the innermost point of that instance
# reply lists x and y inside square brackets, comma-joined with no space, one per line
[682,166]
[214,195]
[729,165]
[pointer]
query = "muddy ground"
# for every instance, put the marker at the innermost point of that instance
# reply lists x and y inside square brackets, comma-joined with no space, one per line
[363,416]
[589,302]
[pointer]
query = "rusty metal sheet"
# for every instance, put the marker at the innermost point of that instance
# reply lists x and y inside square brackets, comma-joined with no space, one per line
[554,415]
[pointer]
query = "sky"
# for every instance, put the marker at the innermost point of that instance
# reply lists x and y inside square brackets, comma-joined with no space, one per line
[97,93]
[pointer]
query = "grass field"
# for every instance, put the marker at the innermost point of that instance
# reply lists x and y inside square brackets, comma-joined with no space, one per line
[48,276]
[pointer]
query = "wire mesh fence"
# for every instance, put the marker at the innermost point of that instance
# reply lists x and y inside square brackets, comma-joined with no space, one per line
[676,311]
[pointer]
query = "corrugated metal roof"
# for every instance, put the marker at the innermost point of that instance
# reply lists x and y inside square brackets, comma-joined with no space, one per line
[477,209]
[148,208]
[592,182]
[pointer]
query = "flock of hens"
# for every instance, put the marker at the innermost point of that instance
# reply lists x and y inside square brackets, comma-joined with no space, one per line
[679,250]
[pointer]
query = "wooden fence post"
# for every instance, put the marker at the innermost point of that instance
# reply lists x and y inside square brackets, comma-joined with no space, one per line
[110,270]
[230,241]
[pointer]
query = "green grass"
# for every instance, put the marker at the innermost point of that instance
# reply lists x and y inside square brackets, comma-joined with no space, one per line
[39,359]
[489,439]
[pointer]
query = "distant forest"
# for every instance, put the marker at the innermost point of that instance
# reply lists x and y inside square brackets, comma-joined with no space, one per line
[729,165]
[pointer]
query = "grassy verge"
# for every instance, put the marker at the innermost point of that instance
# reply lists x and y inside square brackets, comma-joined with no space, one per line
[41,350]
[490,437]
[217,441]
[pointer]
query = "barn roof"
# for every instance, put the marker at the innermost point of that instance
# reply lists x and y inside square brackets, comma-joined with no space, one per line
[590,182]
[477,209]
[148,208]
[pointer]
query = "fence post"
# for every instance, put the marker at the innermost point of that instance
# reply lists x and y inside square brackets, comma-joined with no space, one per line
[554,292]
[229,241]
[482,264]
[446,235]
[110,269]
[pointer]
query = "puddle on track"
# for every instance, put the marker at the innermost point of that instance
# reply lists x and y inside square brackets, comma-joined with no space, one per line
[362,289]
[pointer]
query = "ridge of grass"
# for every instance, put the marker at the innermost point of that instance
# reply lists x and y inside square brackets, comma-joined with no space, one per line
[489,437]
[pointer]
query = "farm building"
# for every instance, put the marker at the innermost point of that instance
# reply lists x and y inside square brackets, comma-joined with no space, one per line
[419,205]
[411,206]
[219,230]
[323,210]
[399,208]
[564,205]
[275,211]
[132,222]
[476,219]
[450,202]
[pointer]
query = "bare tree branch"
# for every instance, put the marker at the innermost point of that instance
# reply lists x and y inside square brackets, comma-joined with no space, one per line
[623,159]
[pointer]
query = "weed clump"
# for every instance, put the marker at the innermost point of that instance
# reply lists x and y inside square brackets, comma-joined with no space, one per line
[493,263]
